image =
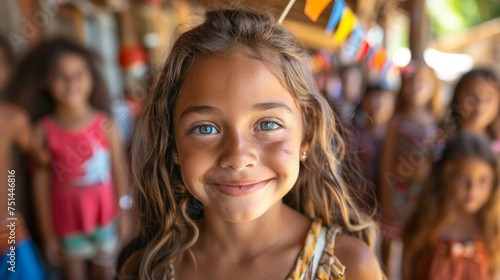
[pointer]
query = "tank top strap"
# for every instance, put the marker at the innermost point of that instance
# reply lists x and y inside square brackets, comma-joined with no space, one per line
[329,264]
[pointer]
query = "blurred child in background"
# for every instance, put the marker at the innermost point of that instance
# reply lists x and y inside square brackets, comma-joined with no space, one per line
[407,155]
[77,186]
[353,85]
[475,105]
[15,129]
[455,231]
[378,107]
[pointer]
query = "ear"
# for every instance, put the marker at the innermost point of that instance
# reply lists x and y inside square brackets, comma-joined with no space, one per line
[304,147]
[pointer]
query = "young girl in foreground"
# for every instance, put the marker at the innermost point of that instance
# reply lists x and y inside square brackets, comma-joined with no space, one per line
[233,162]
[455,231]
[77,186]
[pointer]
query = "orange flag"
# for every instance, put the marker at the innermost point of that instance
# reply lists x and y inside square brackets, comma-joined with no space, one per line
[314,8]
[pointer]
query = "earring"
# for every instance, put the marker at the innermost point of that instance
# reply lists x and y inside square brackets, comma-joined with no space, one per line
[303,157]
[176,160]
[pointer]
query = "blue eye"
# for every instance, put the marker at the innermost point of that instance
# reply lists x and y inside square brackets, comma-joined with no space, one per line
[268,126]
[205,129]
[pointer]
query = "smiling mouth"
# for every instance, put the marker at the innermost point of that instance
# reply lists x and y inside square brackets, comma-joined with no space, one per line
[239,188]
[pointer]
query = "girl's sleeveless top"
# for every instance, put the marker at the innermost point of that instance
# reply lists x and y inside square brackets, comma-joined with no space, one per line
[316,261]
[454,260]
[83,197]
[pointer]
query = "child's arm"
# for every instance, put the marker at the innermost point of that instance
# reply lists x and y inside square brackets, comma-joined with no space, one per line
[42,200]
[406,269]
[119,171]
[22,127]
[387,162]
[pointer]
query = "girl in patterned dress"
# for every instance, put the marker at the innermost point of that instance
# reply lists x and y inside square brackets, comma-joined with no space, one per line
[454,232]
[80,174]
[407,155]
[233,160]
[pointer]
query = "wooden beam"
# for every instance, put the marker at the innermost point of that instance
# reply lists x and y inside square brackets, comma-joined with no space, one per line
[311,35]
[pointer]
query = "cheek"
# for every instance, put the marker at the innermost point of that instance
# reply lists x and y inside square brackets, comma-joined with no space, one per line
[283,157]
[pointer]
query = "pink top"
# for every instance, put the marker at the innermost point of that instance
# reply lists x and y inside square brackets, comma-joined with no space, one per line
[454,260]
[83,197]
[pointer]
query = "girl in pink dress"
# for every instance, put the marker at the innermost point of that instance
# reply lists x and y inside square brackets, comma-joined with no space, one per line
[77,185]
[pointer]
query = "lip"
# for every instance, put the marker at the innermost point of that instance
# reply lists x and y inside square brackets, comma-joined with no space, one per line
[239,188]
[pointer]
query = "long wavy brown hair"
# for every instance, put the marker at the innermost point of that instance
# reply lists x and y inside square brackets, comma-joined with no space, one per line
[166,211]
[432,214]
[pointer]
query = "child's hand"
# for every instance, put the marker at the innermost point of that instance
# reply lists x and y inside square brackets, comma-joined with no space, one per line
[52,250]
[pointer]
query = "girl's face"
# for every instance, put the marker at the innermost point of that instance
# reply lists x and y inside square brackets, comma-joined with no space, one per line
[70,84]
[418,90]
[478,103]
[238,134]
[472,184]
[379,106]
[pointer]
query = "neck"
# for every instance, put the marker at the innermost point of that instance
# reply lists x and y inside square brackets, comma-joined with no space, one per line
[242,240]
[475,129]
[463,226]
[71,113]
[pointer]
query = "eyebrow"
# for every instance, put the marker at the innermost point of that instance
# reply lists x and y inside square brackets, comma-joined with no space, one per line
[272,106]
[199,110]
[204,109]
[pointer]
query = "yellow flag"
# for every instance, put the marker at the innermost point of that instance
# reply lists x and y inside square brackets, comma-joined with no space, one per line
[314,8]
[347,23]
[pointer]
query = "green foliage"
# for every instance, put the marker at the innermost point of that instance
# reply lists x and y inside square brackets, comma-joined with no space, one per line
[449,16]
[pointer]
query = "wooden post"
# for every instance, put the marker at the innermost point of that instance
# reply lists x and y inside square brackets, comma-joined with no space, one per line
[419,29]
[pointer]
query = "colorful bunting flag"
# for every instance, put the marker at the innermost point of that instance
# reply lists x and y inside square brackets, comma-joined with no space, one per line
[363,50]
[379,59]
[356,40]
[314,8]
[338,10]
[346,25]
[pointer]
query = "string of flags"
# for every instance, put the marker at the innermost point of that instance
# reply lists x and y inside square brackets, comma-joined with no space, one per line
[352,38]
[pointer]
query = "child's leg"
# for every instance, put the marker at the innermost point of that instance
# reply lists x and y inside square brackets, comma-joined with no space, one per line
[105,242]
[74,268]
[77,249]
[100,272]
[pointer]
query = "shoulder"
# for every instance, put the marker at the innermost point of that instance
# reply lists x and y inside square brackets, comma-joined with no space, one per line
[360,262]
[14,114]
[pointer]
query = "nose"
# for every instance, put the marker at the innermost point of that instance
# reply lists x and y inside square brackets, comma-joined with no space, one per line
[238,151]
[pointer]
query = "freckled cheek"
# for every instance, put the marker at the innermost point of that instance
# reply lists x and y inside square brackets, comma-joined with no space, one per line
[283,155]
[194,160]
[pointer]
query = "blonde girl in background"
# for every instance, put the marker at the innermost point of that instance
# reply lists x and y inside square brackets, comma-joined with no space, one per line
[454,232]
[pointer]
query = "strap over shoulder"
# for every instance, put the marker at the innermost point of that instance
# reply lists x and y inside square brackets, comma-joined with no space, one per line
[329,264]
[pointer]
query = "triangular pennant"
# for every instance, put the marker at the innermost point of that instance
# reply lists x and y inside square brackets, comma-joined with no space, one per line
[338,9]
[346,25]
[379,59]
[367,60]
[363,50]
[314,8]
[356,39]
